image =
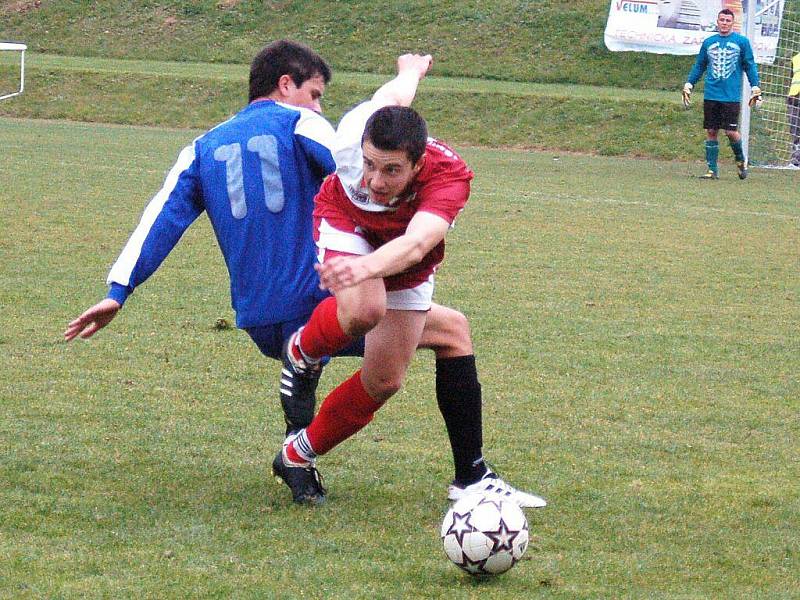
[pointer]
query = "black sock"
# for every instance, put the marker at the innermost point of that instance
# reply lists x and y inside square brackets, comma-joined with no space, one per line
[458,394]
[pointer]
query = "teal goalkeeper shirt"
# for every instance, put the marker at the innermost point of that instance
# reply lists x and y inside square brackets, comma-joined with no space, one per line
[724,59]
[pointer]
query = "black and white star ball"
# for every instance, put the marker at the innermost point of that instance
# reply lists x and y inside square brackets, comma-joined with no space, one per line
[484,536]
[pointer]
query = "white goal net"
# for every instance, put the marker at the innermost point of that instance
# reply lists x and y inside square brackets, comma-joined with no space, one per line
[17,52]
[775,127]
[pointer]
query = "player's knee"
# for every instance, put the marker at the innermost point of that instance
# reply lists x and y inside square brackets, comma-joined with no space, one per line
[359,319]
[382,387]
[456,339]
[459,329]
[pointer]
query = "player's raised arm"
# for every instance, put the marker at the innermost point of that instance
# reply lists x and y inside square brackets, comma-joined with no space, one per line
[411,68]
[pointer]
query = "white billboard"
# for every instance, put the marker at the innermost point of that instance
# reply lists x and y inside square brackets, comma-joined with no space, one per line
[680,26]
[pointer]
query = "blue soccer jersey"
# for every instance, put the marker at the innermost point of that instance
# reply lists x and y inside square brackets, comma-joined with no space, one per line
[255,176]
[724,58]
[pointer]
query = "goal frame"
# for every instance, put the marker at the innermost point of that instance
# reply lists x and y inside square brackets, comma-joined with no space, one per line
[21,48]
[751,16]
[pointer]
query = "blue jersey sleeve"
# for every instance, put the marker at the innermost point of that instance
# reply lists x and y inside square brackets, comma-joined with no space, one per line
[176,206]
[749,63]
[316,136]
[700,64]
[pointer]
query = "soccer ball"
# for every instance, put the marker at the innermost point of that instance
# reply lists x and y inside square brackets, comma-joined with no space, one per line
[483,535]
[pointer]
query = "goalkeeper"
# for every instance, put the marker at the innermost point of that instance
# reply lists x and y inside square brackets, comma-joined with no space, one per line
[723,57]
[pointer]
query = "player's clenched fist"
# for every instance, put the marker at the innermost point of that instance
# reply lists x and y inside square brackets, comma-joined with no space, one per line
[418,63]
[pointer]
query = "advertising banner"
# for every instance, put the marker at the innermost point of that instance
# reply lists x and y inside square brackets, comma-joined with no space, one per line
[680,26]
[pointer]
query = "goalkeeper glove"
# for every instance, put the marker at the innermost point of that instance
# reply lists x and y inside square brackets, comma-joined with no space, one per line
[755,97]
[687,94]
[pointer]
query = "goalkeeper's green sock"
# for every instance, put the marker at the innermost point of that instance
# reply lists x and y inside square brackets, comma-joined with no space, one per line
[737,150]
[712,153]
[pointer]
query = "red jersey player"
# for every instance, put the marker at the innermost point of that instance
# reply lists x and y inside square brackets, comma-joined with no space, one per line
[380,224]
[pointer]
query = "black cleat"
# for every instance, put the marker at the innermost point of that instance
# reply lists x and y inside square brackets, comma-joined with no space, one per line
[305,482]
[298,388]
[742,167]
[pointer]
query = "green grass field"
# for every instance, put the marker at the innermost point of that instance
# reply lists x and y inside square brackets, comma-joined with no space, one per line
[637,331]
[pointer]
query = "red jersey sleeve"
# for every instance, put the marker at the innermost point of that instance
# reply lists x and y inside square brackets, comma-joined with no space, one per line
[443,184]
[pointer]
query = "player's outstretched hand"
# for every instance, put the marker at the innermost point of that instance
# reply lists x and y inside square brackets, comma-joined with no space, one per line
[417,63]
[341,272]
[92,320]
[687,94]
[756,100]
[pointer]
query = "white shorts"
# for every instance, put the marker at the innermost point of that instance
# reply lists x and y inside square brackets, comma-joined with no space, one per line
[335,242]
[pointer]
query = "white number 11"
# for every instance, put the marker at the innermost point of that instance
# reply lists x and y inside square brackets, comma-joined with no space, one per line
[266,146]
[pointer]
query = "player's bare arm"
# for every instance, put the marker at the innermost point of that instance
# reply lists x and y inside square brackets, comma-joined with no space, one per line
[424,232]
[411,68]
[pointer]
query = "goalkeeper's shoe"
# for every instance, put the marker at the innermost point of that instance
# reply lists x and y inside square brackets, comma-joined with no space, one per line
[742,166]
[299,380]
[304,481]
[710,174]
[492,486]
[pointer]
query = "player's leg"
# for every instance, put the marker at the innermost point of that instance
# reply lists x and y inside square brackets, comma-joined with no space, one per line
[297,391]
[730,120]
[458,390]
[351,406]
[711,124]
[337,321]
[735,140]
[333,326]
[458,395]
[712,155]
[388,351]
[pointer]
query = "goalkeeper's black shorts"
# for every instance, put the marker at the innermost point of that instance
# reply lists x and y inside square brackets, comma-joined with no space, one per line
[721,115]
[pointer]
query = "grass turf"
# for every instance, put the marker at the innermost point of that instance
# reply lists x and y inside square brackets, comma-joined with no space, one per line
[637,335]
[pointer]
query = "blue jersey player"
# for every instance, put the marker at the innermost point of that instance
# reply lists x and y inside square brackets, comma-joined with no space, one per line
[723,57]
[255,176]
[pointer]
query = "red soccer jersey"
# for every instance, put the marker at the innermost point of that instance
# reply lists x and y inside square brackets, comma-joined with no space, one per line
[441,187]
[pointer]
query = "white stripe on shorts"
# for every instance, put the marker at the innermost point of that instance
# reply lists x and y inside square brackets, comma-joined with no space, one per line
[342,241]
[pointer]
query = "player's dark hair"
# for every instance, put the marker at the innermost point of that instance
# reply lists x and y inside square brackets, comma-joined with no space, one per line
[726,11]
[284,57]
[397,128]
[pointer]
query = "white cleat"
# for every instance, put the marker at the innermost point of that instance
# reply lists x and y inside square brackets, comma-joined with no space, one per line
[492,485]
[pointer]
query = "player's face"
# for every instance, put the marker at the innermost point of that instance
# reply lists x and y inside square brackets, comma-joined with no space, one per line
[387,173]
[724,23]
[308,95]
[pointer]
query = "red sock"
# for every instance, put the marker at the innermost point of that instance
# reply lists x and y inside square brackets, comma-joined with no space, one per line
[345,411]
[323,335]
[294,456]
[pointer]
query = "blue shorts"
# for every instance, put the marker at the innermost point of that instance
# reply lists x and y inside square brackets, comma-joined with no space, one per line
[270,338]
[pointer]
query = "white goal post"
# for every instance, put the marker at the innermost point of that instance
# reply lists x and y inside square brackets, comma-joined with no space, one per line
[21,48]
